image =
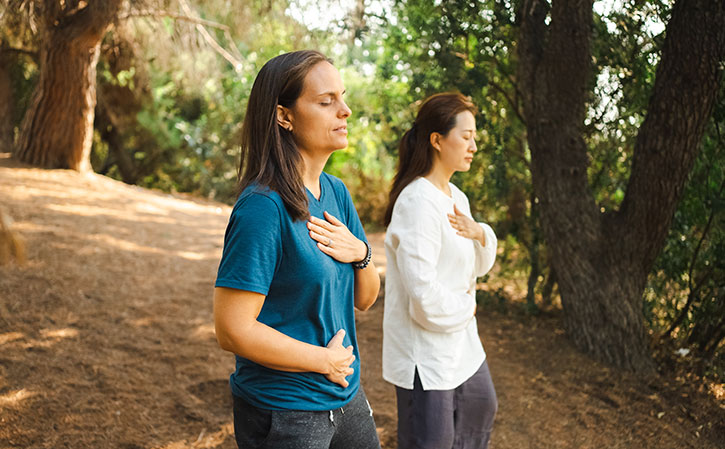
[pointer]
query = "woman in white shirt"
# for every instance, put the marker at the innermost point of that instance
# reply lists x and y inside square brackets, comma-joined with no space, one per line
[431,349]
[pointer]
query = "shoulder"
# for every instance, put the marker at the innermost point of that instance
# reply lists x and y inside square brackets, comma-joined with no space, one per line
[416,199]
[420,192]
[260,201]
[335,182]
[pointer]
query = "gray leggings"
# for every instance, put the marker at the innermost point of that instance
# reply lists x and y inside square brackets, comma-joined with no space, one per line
[447,419]
[349,427]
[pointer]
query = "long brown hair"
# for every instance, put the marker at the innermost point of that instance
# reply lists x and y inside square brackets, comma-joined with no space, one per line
[415,153]
[270,156]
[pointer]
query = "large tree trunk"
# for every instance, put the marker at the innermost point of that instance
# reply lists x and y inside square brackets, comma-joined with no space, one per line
[602,260]
[57,131]
[7,103]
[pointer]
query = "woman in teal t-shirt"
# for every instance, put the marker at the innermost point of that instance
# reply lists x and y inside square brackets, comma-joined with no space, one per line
[295,265]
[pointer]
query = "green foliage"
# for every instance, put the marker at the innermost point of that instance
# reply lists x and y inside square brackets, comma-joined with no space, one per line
[468,47]
[625,49]
[177,108]
[686,291]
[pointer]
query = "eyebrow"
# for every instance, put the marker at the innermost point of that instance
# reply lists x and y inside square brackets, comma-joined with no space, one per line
[331,94]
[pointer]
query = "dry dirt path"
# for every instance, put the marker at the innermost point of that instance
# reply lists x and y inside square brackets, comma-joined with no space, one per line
[107,341]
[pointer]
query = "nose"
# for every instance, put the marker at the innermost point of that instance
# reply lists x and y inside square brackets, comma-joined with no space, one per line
[344,111]
[472,147]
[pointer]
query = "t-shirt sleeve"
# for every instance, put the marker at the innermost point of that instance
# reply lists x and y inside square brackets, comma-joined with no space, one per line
[252,245]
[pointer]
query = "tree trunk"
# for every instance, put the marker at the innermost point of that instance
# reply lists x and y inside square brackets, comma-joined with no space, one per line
[602,261]
[57,131]
[108,129]
[7,103]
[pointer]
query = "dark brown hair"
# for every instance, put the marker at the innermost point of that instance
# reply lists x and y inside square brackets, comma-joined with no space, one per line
[270,156]
[415,153]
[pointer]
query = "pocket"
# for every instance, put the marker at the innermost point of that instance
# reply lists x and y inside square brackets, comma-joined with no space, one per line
[252,425]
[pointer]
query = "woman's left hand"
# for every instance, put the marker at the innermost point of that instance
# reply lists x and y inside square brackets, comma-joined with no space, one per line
[466,227]
[334,239]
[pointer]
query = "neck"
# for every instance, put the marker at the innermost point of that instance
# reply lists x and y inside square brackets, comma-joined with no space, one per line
[311,170]
[439,176]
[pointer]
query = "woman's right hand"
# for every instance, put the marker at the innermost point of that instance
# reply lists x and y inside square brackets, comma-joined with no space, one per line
[339,359]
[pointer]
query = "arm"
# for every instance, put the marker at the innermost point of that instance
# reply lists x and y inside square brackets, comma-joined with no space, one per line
[335,239]
[486,252]
[367,286]
[417,244]
[482,235]
[238,331]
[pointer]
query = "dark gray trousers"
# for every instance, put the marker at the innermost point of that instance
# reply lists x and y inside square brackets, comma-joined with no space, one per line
[447,419]
[349,427]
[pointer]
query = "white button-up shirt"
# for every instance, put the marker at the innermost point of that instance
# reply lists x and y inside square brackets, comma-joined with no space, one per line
[430,301]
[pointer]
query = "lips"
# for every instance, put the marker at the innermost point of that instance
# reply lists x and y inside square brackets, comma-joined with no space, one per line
[341,129]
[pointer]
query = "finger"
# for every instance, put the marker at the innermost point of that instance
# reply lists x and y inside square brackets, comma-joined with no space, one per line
[332,219]
[318,229]
[326,249]
[322,223]
[456,210]
[318,237]
[337,339]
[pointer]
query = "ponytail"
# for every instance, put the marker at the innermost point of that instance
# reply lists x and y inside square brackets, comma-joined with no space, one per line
[415,153]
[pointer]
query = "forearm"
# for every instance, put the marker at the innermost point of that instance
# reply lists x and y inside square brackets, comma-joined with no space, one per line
[273,349]
[367,286]
[485,253]
[441,311]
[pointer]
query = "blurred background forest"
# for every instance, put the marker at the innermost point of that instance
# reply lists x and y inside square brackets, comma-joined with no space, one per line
[173,77]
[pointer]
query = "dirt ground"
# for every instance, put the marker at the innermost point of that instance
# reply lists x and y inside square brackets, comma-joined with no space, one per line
[107,340]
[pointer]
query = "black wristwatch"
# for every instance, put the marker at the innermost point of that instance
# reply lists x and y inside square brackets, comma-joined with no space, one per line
[364,263]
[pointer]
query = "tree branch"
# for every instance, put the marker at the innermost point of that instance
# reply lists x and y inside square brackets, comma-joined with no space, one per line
[514,105]
[686,87]
[236,62]
[157,13]
[19,51]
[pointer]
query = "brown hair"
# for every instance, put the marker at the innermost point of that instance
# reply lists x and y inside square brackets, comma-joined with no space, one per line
[415,153]
[270,156]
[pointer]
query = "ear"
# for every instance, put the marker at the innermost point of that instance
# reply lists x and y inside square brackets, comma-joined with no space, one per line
[435,140]
[284,118]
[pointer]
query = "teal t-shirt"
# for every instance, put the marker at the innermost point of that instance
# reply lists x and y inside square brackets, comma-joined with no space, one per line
[309,295]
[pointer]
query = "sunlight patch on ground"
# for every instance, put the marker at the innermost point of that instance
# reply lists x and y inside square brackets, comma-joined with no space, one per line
[59,333]
[205,331]
[14,398]
[143,322]
[7,337]
[130,246]
[86,210]
[204,440]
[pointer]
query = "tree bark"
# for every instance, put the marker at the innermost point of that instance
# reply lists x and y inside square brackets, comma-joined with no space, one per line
[602,260]
[7,104]
[57,130]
